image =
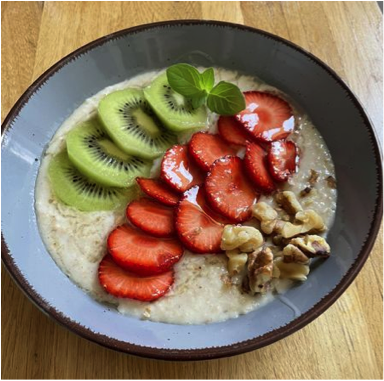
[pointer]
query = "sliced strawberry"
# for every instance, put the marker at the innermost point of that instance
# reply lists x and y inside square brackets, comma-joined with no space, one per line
[158,190]
[197,226]
[123,284]
[232,131]
[151,217]
[283,159]
[206,148]
[266,116]
[178,171]
[229,192]
[142,254]
[255,161]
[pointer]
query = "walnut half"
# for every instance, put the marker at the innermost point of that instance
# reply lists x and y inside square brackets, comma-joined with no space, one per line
[260,270]
[306,221]
[293,254]
[294,264]
[236,262]
[291,270]
[267,216]
[289,202]
[312,246]
[244,238]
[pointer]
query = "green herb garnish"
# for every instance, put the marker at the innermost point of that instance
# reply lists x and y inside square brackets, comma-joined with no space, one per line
[225,98]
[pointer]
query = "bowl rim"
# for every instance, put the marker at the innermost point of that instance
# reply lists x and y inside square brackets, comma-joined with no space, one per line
[210,352]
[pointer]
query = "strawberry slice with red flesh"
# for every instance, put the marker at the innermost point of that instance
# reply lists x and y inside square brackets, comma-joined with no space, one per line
[232,131]
[158,190]
[206,148]
[266,116]
[283,159]
[198,227]
[151,217]
[142,254]
[255,161]
[229,192]
[124,284]
[178,170]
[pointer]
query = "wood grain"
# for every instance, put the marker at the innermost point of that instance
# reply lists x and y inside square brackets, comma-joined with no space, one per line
[347,340]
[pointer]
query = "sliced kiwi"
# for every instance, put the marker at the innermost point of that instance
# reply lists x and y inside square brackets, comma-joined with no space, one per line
[75,189]
[97,157]
[174,110]
[132,125]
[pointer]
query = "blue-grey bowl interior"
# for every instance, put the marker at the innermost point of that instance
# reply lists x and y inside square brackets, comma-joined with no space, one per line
[331,106]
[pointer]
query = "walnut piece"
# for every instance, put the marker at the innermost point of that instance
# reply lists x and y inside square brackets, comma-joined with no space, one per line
[267,217]
[312,180]
[310,219]
[306,191]
[306,221]
[331,181]
[289,202]
[293,254]
[293,271]
[244,238]
[260,270]
[226,279]
[146,314]
[294,264]
[314,176]
[264,212]
[236,262]
[279,240]
[312,246]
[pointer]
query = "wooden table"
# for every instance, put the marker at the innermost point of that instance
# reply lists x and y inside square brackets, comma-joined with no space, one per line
[346,341]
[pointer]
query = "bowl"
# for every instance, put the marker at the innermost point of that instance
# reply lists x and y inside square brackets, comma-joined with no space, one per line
[332,107]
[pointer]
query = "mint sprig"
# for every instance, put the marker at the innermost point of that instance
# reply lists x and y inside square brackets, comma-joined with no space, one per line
[186,80]
[208,79]
[224,99]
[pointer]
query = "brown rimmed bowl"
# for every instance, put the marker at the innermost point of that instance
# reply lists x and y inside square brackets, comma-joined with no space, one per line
[332,107]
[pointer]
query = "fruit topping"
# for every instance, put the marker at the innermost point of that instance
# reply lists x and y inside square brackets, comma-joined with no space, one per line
[75,189]
[96,156]
[255,161]
[199,228]
[232,131]
[123,284]
[206,148]
[229,192]
[175,111]
[151,217]
[178,170]
[158,190]
[266,116]
[132,125]
[283,159]
[142,254]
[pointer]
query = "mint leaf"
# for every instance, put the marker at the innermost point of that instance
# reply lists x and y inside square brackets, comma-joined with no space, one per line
[185,80]
[198,101]
[226,99]
[208,79]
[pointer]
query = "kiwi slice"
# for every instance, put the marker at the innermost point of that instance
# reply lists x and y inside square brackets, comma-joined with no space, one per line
[75,189]
[174,110]
[132,125]
[97,157]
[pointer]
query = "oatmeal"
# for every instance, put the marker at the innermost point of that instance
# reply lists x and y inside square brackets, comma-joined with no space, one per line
[76,240]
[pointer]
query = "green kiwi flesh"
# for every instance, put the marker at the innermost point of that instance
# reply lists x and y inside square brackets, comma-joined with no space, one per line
[132,125]
[96,156]
[174,110]
[75,189]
